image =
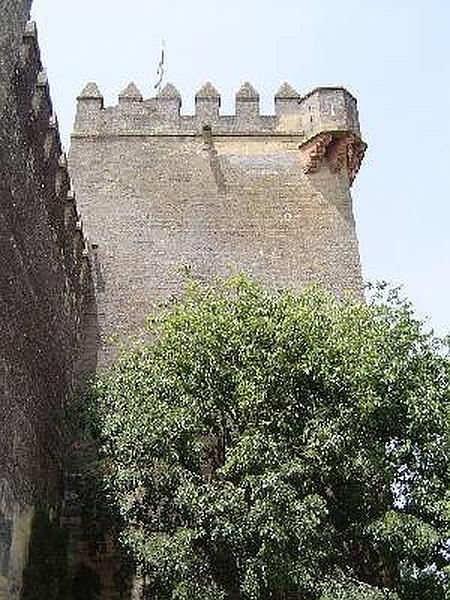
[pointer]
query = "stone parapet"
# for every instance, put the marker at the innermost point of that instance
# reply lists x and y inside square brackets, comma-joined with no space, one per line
[323,109]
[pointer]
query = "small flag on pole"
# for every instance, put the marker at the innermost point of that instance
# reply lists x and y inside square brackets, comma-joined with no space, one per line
[160,70]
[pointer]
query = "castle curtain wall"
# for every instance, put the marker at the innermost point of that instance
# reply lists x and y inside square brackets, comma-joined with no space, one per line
[44,281]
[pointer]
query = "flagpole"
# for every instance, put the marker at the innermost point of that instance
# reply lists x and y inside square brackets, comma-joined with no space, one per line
[161,67]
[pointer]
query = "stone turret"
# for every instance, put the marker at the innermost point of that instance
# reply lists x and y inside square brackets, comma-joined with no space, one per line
[268,194]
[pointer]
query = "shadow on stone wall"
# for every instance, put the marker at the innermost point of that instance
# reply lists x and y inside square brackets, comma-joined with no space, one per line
[97,570]
[46,575]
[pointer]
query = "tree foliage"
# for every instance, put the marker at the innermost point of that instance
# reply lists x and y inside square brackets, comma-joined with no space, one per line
[271,445]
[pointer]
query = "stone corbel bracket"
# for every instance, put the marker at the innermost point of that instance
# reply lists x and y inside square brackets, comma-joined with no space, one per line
[339,149]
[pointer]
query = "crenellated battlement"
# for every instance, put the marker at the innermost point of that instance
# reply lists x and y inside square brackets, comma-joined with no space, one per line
[323,109]
[323,123]
[60,198]
[51,164]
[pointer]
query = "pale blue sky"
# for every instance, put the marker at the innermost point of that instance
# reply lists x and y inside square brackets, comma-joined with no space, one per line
[392,54]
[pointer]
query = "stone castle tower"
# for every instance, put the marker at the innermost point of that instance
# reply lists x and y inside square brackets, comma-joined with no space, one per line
[265,194]
[86,248]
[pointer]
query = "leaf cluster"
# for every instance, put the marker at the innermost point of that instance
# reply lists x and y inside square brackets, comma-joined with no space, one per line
[272,444]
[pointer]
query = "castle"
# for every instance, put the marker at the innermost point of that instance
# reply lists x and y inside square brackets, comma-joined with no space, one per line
[88,244]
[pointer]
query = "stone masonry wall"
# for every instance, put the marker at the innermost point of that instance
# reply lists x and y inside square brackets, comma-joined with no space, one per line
[265,194]
[44,292]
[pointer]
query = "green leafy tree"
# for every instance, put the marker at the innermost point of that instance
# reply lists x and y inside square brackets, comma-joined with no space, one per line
[269,445]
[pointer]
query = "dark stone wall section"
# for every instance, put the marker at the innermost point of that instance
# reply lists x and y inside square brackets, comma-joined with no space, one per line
[45,295]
